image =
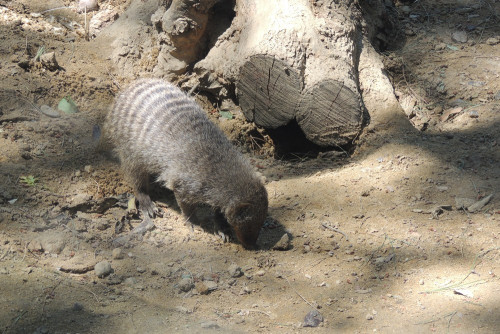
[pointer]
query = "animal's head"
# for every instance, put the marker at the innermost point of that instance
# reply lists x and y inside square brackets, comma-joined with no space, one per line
[247,218]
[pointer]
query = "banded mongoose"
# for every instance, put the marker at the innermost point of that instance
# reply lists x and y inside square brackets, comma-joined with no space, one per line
[158,130]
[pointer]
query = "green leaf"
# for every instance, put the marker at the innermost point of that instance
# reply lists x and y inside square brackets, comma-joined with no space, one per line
[29,180]
[67,105]
[226,114]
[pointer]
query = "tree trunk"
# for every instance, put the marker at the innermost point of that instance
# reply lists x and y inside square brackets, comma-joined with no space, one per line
[284,60]
[291,59]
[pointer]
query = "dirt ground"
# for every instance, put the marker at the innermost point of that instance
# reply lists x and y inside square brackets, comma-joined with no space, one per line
[401,235]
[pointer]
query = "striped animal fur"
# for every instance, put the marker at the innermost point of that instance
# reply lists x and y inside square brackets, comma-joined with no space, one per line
[157,130]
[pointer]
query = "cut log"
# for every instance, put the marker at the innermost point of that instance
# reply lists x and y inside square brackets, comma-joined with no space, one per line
[265,89]
[292,60]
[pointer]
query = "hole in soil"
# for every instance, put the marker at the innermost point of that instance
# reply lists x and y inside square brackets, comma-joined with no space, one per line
[220,18]
[291,143]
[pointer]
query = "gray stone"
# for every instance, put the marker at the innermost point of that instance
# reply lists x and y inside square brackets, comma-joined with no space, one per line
[185,284]
[459,36]
[117,254]
[49,111]
[103,269]
[209,324]
[234,271]
[283,243]
[313,319]
[49,61]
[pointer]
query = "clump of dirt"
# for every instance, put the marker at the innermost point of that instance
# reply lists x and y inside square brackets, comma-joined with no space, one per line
[406,227]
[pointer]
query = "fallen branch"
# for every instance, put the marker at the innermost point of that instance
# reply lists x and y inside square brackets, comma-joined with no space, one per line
[335,230]
[77,270]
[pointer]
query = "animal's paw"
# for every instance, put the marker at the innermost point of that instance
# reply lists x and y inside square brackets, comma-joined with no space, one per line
[225,237]
[147,207]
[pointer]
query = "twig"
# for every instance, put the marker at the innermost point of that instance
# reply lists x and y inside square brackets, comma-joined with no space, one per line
[82,270]
[6,252]
[299,293]
[97,186]
[86,32]
[456,285]
[95,296]
[25,250]
[113,78]
[335,230]
[259,311]
[449,321]
[57,8]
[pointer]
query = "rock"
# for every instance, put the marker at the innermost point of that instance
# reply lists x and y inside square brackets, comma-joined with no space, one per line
[130,281]
[463,203]
[459,36]
[234,271]
[103,269]
[209,324]
[313,319]
[260,273]
[80,198]
[101,20]
[117,254]
[77,307]
[35,246]
[205,287]
[141,270]
[449,113]
[369,316]
[88,169]
[41,330]
[283,244]
[49,111]
[185,284]
[479,204]
[493,41]
[201,288]
[440,47]
[87,6]
[53,243]
[78,225]
[49,61]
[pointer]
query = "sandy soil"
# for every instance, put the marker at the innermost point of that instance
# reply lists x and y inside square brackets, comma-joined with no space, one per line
[386,239]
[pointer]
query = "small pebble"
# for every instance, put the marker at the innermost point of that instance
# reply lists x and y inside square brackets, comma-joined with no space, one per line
[89,5]
[117,254]
[313,319]
[283,244]
[77,307]
[209,324]
[459,36]
[369,317]
[185,284]
[88,169]
[492,41]
[141,270]
[260,273]
[49,111]
[130,281]
[234,271]
[103,269]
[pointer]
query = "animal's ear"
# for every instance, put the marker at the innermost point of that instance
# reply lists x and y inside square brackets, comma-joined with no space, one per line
[242,209]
